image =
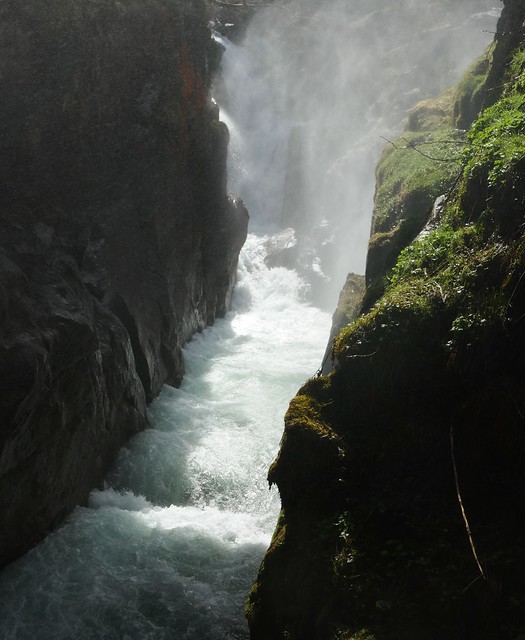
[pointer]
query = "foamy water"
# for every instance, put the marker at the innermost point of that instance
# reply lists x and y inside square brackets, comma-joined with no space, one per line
[170,548]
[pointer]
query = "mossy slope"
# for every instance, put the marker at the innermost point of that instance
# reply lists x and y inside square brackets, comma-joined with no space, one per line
[426,406]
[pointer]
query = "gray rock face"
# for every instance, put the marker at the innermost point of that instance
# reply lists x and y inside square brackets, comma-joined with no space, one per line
[117,238]
[348,308]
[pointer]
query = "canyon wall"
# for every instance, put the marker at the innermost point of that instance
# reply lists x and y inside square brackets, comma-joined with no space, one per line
[117,238]
[401,471]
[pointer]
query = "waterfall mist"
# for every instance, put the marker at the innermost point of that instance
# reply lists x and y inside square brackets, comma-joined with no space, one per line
[170,548]
[171,545]
[317,86]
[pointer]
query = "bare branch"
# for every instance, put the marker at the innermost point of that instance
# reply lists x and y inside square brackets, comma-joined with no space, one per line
[410,145]
[249,5]
[460,501]
[415,147]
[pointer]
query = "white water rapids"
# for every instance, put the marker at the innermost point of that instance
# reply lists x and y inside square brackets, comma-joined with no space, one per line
[170,548]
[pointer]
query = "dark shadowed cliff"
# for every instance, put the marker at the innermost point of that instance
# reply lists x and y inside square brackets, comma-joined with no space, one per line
[401,472]
[117,238]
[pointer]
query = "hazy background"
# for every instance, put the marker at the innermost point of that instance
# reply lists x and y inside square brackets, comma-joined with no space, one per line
[316,86]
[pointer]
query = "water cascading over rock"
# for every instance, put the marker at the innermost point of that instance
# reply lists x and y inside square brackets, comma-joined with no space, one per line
[325,82]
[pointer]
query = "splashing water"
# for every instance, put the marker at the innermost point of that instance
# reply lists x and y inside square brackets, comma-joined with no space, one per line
[318,87]
[169,549]
[259,132]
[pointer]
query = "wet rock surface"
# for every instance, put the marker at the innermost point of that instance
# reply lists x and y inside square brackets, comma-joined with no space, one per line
[117,238]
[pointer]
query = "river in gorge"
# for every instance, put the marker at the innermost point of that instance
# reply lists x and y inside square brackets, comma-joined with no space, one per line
[170,547]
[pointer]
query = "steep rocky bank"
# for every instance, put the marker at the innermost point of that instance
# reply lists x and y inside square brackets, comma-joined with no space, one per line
[401,472]
[117,237]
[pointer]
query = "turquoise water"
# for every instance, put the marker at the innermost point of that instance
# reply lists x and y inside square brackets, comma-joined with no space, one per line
[170,548]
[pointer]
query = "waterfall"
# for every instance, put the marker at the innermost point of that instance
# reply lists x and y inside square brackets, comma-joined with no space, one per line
[170,547]
[317,89]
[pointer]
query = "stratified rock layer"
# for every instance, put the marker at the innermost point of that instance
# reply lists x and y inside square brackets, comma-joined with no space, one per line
[117,238]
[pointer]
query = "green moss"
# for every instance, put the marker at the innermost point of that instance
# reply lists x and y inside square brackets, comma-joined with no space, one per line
[418,167]
[346,634]
[413,171]
[412,174]
[411,301]
[440,352]
[470,91]
[451,260]
[354,335]
[497,141]
[453,291]
[496,150]
[303,413]
[516,70]
[432,114]
[454,272]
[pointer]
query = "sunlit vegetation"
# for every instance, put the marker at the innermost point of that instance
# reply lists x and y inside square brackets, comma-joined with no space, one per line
[438,354]
[470,92]
[497,141]
[413,173]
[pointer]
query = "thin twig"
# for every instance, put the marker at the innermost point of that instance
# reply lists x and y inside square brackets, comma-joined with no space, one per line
[411,145]
[425,155]
[463,513]
[362,355]
[515,288]
[389,142]
[444,141]
[502,33]
[471,583]
[249,5]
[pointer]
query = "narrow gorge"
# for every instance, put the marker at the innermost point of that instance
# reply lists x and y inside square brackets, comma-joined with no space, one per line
[189,187]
